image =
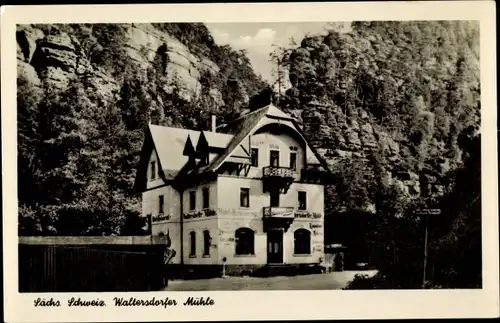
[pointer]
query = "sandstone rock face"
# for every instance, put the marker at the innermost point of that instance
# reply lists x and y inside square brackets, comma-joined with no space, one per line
[47,54]
[27,37]
[145,43]
[28,72]
[216,97]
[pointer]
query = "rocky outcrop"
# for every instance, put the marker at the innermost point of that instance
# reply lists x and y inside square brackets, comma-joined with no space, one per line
[145,44]
[339,137]
[54,56]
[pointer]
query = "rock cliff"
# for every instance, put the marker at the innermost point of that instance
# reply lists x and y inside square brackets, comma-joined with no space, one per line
[394,98]
[57,54]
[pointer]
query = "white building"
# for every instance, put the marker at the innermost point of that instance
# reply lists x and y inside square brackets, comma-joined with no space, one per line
[249,195]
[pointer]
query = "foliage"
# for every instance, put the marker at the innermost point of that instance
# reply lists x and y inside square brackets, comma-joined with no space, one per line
[79,147]
[418,83]
[236,80]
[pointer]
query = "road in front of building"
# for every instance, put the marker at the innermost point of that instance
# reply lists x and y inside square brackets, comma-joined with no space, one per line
[329,281]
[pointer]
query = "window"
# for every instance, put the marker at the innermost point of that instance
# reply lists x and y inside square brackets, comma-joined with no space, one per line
[275,198]
[245,197]
[192,244]
[153,170]
[160,204]
[255,157]
[206,198]
[274,160]
[302,242]
[244,239]
[293,160]
[207,241]
[204,160]
[192,200]
[302,201]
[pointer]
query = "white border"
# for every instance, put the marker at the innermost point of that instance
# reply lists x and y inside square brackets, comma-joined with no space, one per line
[252,305]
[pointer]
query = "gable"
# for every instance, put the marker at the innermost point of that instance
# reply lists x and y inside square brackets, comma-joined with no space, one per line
[153,168]
[256,120]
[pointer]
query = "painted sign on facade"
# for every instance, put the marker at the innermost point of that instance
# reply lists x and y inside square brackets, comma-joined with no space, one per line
[307,215]
[199,214]
[237,212]
[160,217]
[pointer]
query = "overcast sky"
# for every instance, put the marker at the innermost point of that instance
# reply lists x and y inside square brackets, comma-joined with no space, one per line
[258,39]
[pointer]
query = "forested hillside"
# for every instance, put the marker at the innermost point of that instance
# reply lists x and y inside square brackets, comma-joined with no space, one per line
[85,96]
[395,107]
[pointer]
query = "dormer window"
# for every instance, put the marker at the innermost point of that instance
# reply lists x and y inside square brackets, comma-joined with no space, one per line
[153,170]
[255,157]
[274,160]
[293,160]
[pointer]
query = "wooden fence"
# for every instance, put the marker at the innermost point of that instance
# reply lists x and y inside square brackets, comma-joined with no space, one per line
[90,268]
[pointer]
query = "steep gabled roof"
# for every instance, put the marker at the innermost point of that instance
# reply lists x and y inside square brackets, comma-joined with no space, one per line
[245,125]
[172,145]
[273,111]
[217,140]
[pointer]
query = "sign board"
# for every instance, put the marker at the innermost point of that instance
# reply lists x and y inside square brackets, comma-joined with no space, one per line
[160,217]
[428,211]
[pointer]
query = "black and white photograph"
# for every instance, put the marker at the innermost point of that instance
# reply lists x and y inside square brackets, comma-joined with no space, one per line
[249,156]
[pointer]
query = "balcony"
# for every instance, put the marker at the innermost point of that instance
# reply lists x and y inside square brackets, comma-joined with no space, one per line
[315,176]
[278,217]
[280,172]
[277,178]
[279,212]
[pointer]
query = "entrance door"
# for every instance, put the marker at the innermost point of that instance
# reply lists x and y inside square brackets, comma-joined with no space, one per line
[275,246]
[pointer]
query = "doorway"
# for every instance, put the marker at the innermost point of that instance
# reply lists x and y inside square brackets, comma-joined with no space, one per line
[274,246]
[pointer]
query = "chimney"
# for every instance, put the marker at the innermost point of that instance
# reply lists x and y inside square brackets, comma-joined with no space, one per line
[214,124]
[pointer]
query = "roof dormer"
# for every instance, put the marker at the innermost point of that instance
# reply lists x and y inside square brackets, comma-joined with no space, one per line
[188,147]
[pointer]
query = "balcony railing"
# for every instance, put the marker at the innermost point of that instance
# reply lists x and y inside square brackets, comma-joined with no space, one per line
[279,212]
[315,176]
[283,172]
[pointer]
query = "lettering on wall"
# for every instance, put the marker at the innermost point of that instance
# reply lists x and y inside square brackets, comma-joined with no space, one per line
[237,212]
[258,142]
[160,217]
[199,214]
[308,215]
[315,226]
[317,249]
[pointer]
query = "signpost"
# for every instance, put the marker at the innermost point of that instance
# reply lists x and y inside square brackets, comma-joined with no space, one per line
[426,212]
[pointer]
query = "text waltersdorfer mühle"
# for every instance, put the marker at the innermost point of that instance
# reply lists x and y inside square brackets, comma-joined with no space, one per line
[127,302]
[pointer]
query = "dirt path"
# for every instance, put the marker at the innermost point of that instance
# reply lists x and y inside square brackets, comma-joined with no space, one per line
[336,280]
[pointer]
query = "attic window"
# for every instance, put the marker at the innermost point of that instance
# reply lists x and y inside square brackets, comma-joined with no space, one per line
[255,157]
[203,160]
[293,160]
[153,170]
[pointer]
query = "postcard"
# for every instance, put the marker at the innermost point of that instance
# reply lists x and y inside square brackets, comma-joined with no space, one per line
[249,161]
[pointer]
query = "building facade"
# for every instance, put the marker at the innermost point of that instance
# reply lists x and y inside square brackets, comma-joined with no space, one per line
[247,194]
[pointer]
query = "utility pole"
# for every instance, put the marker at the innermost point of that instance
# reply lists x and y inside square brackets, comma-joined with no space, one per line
[425,250]
[426,212]
[278,61]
